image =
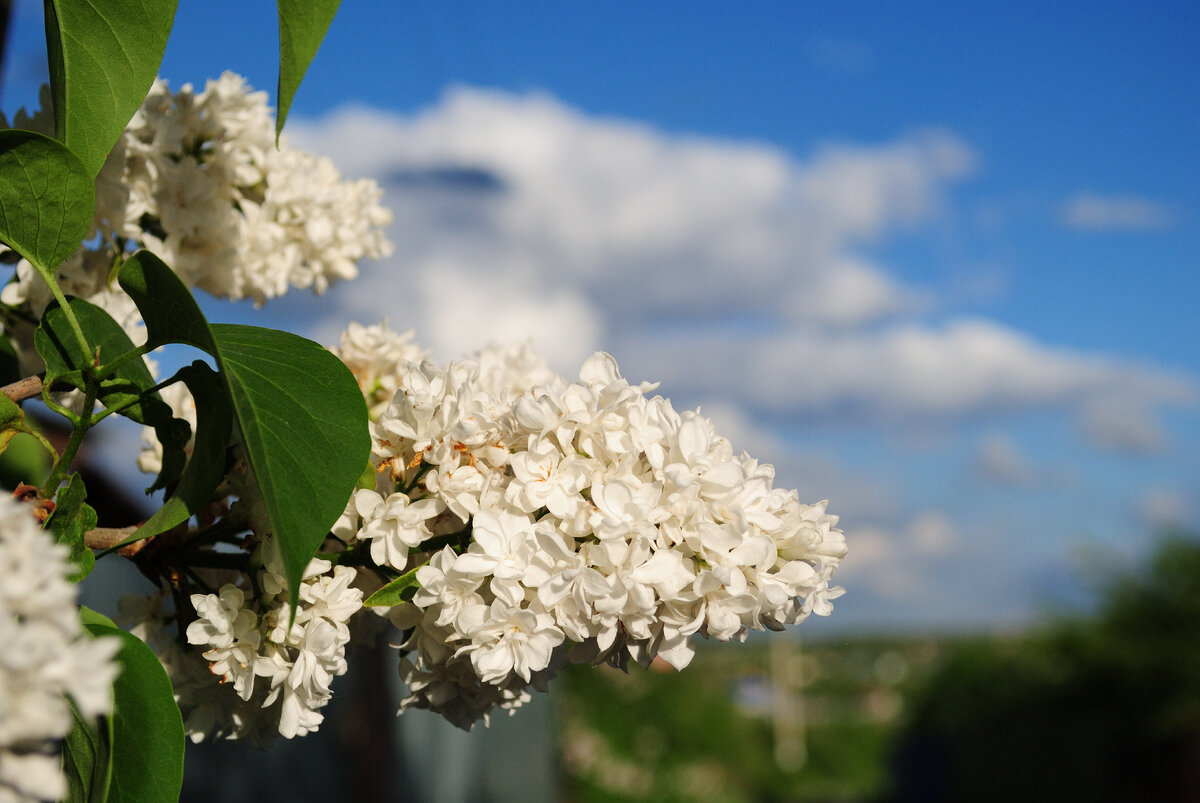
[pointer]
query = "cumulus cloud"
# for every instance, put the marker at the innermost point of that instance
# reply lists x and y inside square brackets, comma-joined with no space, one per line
[733,271]
[643,225]
[1165,508]
[1000,460]
[966,368]
[1122,424]
[897,561]
[816,474]
[1114,212]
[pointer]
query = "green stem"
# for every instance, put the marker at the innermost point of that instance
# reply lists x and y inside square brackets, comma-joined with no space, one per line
[82,425]
[107,370]
[107,411]
[61,298]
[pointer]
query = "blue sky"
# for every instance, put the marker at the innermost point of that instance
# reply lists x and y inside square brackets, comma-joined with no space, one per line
[937,262]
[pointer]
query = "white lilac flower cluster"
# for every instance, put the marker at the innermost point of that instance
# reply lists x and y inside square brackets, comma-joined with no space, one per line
[47,658]
[247,674]
[197,179]
[539,513]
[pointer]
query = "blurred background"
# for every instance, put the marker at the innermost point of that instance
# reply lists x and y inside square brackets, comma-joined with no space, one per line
[938,263]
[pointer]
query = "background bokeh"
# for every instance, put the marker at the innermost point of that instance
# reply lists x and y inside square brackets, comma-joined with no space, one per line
[938,263]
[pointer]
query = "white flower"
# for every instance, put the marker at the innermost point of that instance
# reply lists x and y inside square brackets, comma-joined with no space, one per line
[394,525]
[577,510]
[443,583]
[544,477]
[376,356]
[47,658]
[270,679]
[230,630]
[502,546]
[512,640]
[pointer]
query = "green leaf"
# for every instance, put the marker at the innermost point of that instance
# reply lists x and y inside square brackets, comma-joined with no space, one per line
[10,412]
[71,519]
[23,460]
[298,408]
[87,750]
[126,390]
[167,306]
[65,360]
[369,478]
[303,421]
[399,590]
[147,729]
[104,56]
[206,468]
[87,758]
[302,26]
[10,364]
[46,199]
[89,617]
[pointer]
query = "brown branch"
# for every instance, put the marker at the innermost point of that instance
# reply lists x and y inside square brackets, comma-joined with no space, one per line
[107,537]
[23,389]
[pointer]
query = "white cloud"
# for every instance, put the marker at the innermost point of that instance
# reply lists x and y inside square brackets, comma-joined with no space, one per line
[1108,212]
[967,368]
[899,562]
[932,533]
[852,292]
[645,224]
[815,474]
[1161,508]
[1000,460]
[731,270]
[1122,424]
[562,325]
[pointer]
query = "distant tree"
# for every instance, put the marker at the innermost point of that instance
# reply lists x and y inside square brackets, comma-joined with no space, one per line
[1106,708]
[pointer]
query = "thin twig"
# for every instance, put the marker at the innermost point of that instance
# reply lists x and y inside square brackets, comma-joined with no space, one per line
[107,537]
[23,389]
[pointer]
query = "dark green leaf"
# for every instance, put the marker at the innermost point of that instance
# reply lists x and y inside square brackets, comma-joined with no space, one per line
[10,364]
[206,468]
[399,590]
[87,750]
[46,199]
[147,729]
[167,306]
[299,410]
[104,55]
[127,390]
[71,519]
[87,758]
[63,357]
[302,26]
[303,421]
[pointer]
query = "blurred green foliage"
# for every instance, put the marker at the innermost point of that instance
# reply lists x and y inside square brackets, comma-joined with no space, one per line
[711,731]
[1097,708]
